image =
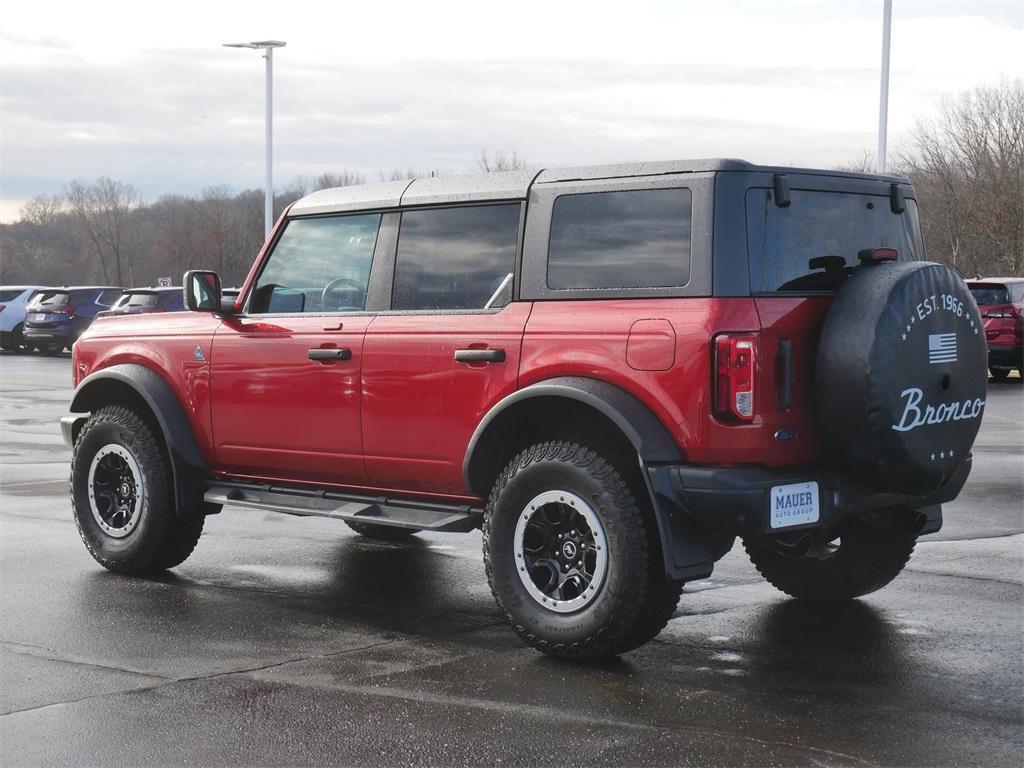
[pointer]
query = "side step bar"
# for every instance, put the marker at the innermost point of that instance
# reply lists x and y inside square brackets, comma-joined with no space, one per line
[379,510]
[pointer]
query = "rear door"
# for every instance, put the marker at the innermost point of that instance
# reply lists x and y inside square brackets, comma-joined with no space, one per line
[800,254]
[447,349]
[286,372]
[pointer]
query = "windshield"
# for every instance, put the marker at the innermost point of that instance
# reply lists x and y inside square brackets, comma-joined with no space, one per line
[987,295]
[811,245]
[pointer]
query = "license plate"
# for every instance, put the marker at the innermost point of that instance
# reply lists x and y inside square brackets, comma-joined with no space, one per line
[37,317]
[795,504]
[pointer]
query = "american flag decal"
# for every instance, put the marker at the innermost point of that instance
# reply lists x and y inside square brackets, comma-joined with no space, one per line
[942,348]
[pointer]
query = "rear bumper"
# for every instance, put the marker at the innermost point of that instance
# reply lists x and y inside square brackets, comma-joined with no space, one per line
[702,509]
[1005,356]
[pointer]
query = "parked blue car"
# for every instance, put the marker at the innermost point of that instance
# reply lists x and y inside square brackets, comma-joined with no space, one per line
[56,317]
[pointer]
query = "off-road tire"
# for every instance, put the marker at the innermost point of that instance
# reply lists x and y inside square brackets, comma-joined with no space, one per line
[161,539]
[381,532]
[867,559]
[999,374]
[636,599]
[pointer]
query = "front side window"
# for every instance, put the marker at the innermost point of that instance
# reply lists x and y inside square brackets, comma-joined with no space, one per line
[628,239]
[318,265]
[456,258]
[10,295]
[811,245]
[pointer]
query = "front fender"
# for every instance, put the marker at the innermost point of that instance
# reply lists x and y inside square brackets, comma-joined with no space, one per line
[106,387]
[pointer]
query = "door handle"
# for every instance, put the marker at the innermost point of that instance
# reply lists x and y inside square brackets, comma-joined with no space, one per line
[330,353]
[479,355]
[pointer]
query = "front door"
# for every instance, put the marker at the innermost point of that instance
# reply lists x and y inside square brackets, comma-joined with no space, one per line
[447,350]
[286,373]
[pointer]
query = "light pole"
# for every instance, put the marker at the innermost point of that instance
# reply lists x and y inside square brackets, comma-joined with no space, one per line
[883,96]
[268,47]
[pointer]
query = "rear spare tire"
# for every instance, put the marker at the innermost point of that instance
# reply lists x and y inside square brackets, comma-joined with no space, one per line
[900,380]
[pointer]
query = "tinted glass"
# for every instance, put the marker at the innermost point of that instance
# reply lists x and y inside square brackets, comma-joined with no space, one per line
[319,265]
[986,295]
[80,298]
[10,295]
[50,299]
[138,300]
[456,258]
[826,228]
[634,239]
[109,297]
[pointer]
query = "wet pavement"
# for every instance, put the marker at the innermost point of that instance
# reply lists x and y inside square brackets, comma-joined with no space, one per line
[292,641]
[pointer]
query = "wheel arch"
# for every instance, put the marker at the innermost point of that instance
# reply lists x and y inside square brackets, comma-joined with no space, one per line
[688,552]
[635,423]
[142,388]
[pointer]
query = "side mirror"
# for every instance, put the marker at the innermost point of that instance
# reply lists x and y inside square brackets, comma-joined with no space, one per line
[202,291]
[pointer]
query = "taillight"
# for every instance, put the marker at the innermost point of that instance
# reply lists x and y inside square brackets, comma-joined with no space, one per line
[735,359]
[3,307]
[65,310]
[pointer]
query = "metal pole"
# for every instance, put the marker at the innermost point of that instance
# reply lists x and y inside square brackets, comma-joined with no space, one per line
[883,101]
[268,194]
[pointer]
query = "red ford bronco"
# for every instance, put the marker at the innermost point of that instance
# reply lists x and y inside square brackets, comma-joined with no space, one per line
[613,371]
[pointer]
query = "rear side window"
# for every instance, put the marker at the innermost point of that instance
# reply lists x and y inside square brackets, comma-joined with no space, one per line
[79,298]
[456,258]
[109,297]
[811,245]
[10,295]
[628,239]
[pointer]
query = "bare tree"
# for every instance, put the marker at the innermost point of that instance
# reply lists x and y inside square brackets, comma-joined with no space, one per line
[501,161]
[42,209]
[104,212]
[863,163]
[968,168]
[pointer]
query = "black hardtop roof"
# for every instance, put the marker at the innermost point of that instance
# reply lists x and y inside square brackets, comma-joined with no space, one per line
[515,185]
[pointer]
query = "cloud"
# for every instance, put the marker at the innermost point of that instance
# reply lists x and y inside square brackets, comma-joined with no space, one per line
[171,111]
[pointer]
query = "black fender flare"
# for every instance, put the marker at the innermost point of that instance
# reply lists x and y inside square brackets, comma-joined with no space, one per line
[637,422]
[187,464]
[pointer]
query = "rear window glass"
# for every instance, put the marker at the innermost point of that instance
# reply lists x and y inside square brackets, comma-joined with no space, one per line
[628,239]
[50,299]
[987,295]
[10,295]
[811,246]
[138,300]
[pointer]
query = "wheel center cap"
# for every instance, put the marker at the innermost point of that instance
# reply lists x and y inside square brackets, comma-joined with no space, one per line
[569,550]
[125,489]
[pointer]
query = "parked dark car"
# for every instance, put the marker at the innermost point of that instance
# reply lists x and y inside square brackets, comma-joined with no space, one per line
[141,301]
[1001,301]
[56,317]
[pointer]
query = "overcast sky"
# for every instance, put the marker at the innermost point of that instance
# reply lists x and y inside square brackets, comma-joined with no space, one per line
[144,92]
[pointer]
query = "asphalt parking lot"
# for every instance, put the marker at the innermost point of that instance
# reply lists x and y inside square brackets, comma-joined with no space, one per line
[292,641]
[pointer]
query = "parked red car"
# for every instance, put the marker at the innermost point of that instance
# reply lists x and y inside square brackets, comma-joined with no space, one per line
[1001,300]
[614,372]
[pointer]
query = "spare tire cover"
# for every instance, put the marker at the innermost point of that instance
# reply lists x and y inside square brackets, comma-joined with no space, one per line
[901,376]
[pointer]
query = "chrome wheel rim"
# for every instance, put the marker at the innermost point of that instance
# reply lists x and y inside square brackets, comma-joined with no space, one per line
[116,490]
[561,551]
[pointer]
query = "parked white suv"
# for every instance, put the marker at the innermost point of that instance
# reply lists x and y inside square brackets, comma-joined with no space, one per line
[13,299]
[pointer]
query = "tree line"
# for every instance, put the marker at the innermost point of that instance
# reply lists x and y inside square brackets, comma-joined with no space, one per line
[967,165]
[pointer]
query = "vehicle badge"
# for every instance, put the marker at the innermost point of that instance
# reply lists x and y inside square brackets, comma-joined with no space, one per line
[198,354]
